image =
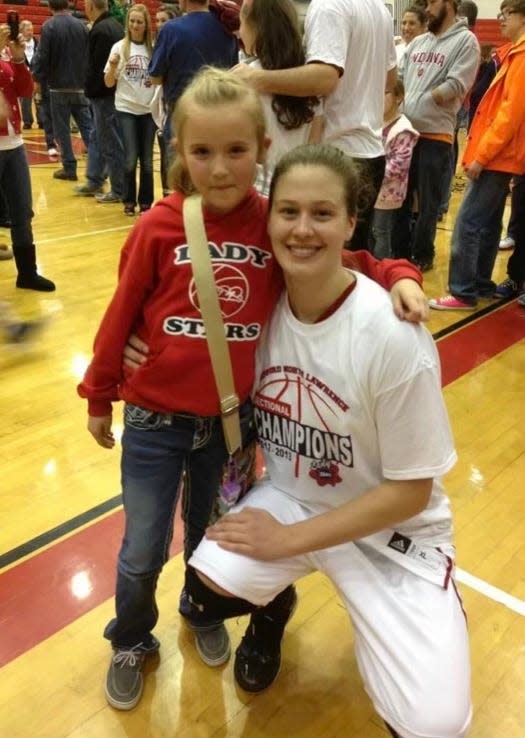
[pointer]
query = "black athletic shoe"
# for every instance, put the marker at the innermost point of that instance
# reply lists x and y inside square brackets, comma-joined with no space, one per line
[62,174]
[258,658]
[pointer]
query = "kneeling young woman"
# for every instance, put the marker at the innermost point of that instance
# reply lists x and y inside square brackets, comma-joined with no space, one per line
[350,415]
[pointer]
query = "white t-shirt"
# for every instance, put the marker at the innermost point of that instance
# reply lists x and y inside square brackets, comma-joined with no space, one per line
[29,49]
[357,36]
[283,140]
[134,91]
[343,404]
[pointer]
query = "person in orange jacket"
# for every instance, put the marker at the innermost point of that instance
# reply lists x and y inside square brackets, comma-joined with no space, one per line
[495,151]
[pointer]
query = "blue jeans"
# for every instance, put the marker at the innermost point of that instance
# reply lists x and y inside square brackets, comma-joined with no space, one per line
[64,106]
[15,184]
[516,229]
[26,106]
[43,114]
[382,227]
[476,236]
[429,161]
[138,135]
[157,449]
[105,150]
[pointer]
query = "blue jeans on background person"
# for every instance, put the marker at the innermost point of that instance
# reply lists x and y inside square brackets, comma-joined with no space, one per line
[64,106]
[429,161]
[476,236]
[26,107]
[43,115]
[138,136]
[15,183]
[157,449]
[382,227]
[96,171]
[517,205]
[448,177]
[516,229]
[105,150]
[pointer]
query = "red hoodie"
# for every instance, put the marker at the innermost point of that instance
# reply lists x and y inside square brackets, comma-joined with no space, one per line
[156,299]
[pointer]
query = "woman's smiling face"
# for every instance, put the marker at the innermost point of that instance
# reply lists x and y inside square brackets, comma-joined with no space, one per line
[309,222]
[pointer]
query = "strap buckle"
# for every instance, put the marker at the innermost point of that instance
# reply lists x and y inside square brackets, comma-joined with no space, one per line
[229,404]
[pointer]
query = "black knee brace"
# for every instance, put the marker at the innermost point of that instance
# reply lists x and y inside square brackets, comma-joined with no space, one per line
[392,731]
[207,605]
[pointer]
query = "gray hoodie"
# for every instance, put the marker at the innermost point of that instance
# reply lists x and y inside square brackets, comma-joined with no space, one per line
[449,63]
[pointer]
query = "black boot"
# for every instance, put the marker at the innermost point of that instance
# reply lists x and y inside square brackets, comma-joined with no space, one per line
[28,277]
[392,731]
[258,658]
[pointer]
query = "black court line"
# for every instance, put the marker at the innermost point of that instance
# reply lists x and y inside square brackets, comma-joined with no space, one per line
[50,536]
[470,318]
[63,529]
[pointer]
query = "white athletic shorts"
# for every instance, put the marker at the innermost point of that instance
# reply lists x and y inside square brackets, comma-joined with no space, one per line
[411,638]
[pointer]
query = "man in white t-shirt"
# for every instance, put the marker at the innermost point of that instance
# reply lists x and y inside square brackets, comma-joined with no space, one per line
[351,60]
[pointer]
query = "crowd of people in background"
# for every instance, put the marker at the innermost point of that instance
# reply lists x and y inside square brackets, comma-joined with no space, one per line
[116,74]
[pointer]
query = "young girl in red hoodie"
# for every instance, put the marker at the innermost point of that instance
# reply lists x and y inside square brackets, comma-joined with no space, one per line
[172,411]
[15,181]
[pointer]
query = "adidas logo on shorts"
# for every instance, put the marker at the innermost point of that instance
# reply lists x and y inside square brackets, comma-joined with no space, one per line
[399,543]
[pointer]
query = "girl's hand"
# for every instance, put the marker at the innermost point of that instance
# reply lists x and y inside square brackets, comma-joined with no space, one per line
[409,301]
[135,352]
[100,429]
[252,532]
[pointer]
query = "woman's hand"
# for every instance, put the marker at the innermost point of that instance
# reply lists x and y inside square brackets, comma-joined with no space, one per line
[252,532]
[135,352]
[100,429]
[247,74]
[409,301]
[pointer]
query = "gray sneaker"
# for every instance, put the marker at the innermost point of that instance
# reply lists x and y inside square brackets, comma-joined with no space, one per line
[124,680]
[213,644]
[88,190]
[108,197]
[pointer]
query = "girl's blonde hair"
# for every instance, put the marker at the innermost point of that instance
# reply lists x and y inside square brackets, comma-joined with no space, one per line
[148,37]
[211,88]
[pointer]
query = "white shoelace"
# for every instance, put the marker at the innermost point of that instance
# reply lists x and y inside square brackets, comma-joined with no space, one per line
[129,657]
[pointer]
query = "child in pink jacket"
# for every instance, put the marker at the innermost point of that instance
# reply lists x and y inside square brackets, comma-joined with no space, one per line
[399,139]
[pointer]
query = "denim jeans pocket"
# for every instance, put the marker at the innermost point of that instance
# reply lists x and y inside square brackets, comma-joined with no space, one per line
[142,419]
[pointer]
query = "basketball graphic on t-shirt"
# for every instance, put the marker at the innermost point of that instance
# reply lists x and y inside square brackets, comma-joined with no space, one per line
[308,403]
[299,417]
[232,289]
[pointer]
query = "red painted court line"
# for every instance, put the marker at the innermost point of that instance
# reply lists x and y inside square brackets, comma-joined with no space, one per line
[471,346]
[47,592]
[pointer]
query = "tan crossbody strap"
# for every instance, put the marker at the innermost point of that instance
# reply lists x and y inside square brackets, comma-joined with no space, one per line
[212,318]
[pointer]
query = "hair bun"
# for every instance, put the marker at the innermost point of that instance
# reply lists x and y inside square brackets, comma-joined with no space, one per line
[227,12]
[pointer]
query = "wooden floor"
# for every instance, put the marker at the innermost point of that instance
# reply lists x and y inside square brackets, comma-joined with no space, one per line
[61,525]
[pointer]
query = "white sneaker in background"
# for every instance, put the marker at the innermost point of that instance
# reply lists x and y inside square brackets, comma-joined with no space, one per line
[507,243]
[53,154]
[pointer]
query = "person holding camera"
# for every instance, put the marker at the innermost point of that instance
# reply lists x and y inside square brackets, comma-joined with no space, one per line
[15,182]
